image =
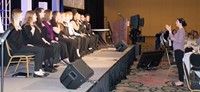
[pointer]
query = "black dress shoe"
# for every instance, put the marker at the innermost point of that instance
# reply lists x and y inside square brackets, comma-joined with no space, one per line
[46,74]
[54,69]
[35,75]
[174,84]
[50,70]
[56,66]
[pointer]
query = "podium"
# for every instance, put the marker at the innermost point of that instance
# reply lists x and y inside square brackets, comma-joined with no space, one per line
[119,28]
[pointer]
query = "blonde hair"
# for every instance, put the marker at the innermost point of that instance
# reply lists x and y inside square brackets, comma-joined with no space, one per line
[29,18]
[70,14]
[15,14]
[67,13]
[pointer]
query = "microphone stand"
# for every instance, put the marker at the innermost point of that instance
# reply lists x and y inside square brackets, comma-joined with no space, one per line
[2,40]
[121,15]
[2,67]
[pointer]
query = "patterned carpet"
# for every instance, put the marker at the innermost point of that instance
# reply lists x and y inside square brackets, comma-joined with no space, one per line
[159,80]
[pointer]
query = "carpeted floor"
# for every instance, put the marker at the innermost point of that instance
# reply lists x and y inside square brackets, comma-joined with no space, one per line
[159,80]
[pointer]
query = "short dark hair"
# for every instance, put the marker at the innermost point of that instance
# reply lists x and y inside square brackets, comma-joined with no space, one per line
[54,14]
[37,11]
[74,11]
[87,15]
[182,21]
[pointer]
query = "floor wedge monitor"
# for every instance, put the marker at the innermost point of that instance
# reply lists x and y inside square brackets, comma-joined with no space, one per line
[75,74]
[121,46]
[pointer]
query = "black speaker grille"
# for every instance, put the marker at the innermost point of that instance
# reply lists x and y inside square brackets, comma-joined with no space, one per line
[83,68]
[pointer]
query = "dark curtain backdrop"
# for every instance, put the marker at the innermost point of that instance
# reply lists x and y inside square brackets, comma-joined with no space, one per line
[96,10]
[93,7]
[62,6]
[15,4]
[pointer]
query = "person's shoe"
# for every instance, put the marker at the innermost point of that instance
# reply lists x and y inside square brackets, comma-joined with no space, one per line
[66,61]
[54,69]
[45,73]
[82,53]
[50,70]
[176,85]
[38,75]
[56,66]
[35,75]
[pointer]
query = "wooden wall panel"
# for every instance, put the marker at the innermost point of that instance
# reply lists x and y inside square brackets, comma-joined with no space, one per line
[156,13]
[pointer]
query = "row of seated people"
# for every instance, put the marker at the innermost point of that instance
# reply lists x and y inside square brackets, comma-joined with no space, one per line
[52,37]
[192,39]
[192,42]
[163,40]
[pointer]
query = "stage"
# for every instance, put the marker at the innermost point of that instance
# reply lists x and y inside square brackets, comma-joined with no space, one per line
[109,66]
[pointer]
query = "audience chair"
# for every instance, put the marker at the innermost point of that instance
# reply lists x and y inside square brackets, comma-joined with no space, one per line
[170,58]
[195,62]
[188,49]
[192,86]
[18,58]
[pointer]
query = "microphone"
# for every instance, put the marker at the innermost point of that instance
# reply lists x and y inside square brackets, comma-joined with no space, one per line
[119,14]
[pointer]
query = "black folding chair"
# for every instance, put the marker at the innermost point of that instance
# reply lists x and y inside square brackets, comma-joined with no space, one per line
[192,85]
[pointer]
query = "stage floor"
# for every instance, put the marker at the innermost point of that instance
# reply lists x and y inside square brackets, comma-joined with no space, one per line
[100,61]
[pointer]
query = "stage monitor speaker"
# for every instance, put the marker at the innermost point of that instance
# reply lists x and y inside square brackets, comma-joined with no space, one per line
[76,74]
[121,46]
[135,21]
[141,22]
[150,60]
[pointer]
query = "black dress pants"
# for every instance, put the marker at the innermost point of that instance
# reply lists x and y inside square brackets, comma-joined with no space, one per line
[57,49]
[71,46]
[64,53]
[39,54]
[179,62]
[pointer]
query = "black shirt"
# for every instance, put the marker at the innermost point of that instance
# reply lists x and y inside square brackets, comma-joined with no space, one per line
[35,39]
[15,39]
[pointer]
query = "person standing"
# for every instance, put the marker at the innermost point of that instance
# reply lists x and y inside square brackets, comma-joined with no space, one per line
[178,46]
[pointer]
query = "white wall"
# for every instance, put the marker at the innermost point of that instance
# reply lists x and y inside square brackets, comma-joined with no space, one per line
[55,5]
[26,5]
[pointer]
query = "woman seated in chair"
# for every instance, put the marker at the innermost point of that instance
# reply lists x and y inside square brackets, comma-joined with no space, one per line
[64,36]
[33,35]
[53,38]
[190,43]
[17,44]
[75,23]
[89,31]
[56,48]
